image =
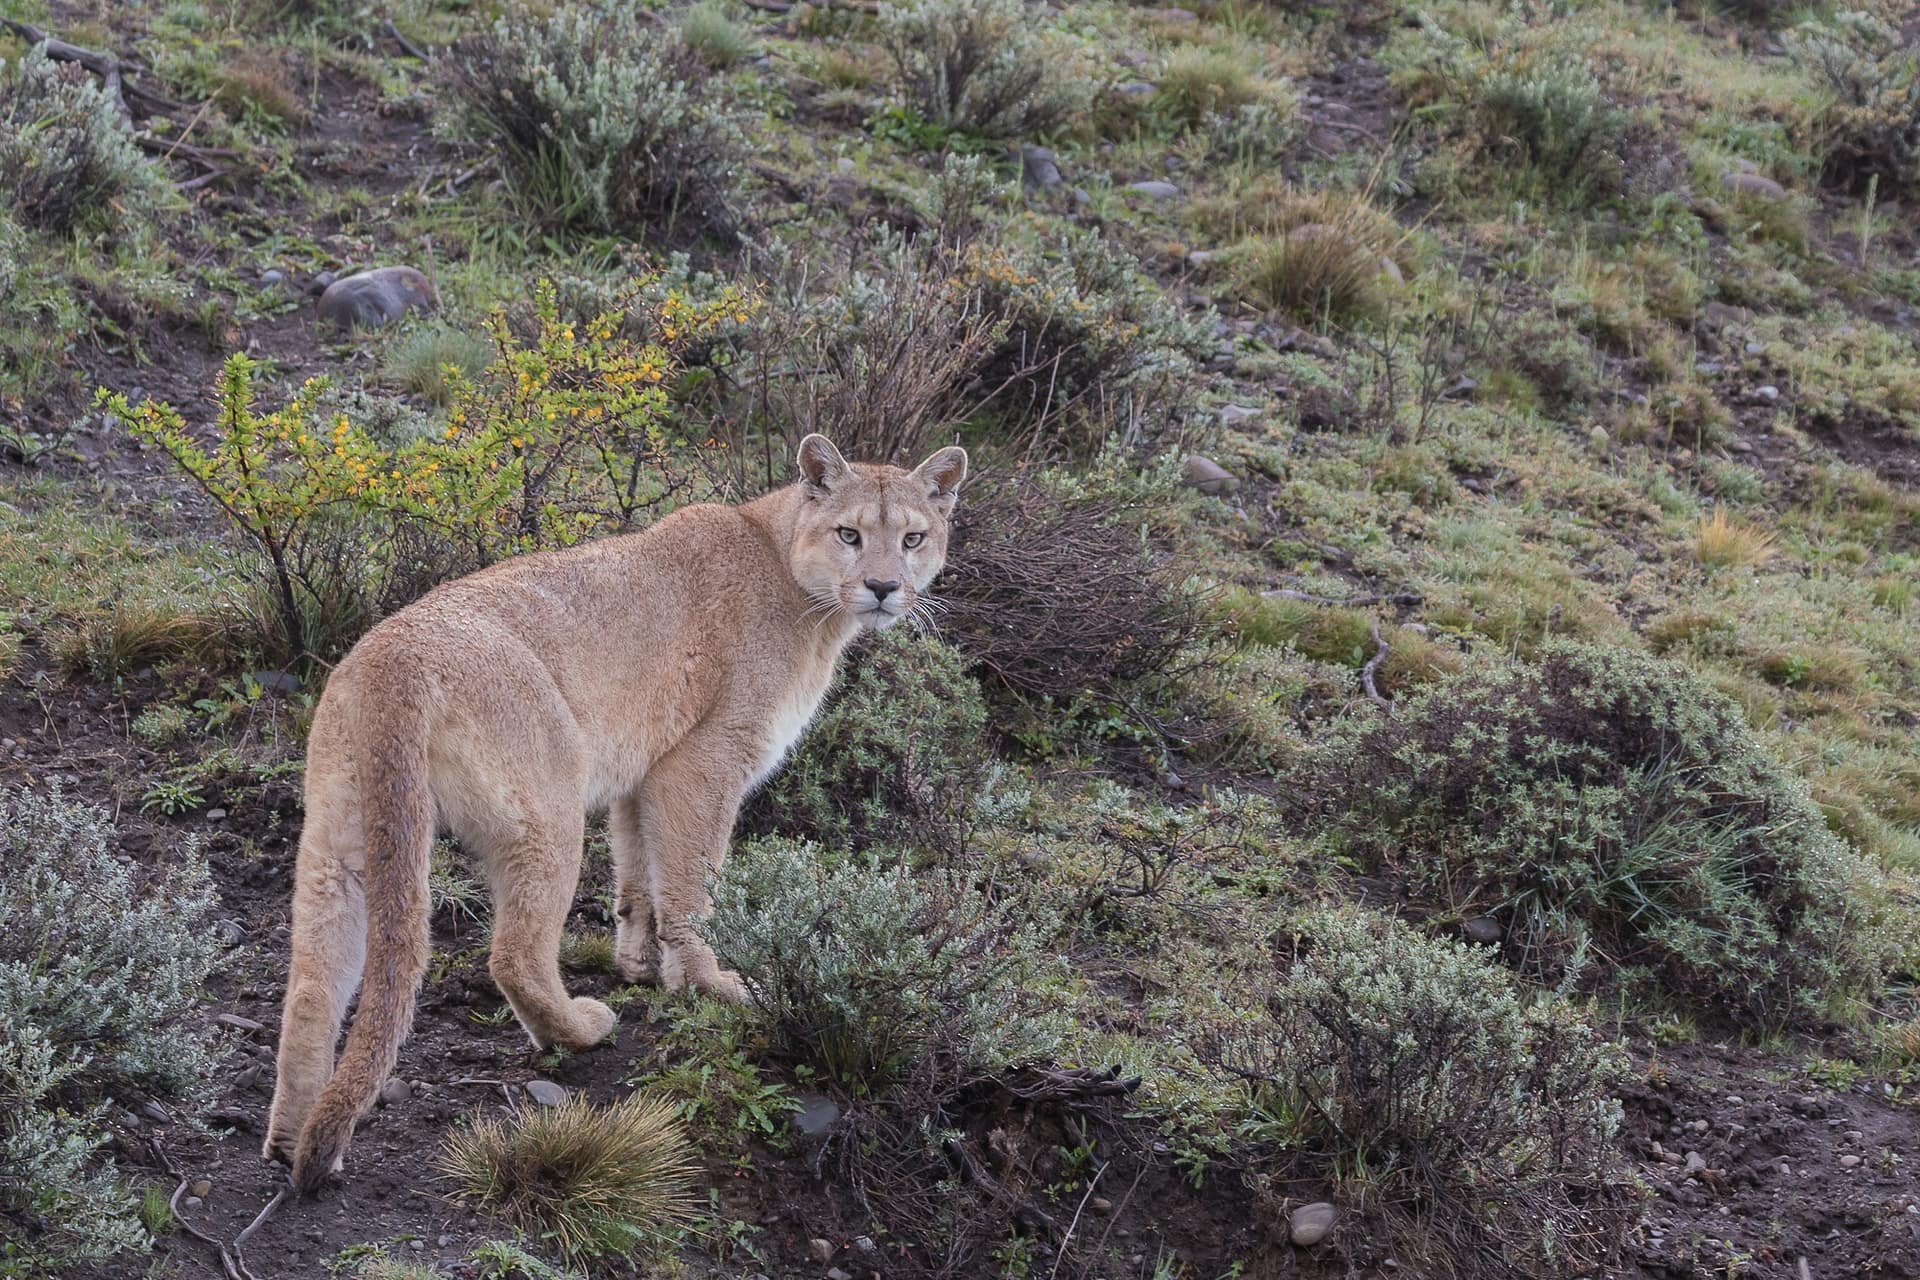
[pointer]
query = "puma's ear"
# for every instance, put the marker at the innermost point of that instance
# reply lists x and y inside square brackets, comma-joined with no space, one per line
[821,466]
[942,474]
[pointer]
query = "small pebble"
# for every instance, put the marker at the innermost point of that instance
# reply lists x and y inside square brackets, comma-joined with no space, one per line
[192,1202]
[1735,1100]
[1310,1223]
[202,1188]
[214,815]
[1849,1162]
[546,1093]
[820,1251]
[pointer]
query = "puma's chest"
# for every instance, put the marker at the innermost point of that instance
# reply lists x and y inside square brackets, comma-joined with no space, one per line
[792,714]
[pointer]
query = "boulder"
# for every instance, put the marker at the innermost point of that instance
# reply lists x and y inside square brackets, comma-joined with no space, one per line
[376,298]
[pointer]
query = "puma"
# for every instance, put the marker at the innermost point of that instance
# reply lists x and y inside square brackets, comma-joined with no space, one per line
[658,675]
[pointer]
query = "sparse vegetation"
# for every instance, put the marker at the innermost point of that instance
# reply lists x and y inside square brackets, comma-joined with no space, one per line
[67,158]
[979,66]
[596,1180]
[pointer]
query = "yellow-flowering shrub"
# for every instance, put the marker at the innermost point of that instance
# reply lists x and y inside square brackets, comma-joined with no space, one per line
[565,435]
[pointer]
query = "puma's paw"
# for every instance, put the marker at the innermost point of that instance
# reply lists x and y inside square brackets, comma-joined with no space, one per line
[643,971]
[279,1147]
[596,1023]
[722,984]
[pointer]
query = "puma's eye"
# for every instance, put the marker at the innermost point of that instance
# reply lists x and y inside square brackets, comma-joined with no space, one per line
[913,540]
[849,536]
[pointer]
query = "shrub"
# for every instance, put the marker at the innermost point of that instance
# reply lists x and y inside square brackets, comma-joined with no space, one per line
[1085,343]
[1607,803]
[1255,134]
[895,756]
[1412,1073]
[1051,588]
[560,438]
[874,974]
[710,31]
[597,1180]
[979,66]
[1870,124]
[100,980]
[67,156]
[601,123]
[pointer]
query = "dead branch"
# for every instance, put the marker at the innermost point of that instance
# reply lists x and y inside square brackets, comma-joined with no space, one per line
[1373,665]
[407,46]
[133,100]
[1351,602]
[228,1265]
[1039,1083]
[279,1198]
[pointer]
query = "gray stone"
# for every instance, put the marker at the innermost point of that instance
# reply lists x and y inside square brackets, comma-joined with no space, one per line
[1311,1223]
[1208,476]
[816,1115]
[1849,1162]
[1201,257]
[821,1251]
[1483,929]
[1155,189]
[1039,171]
[1695,1162]
[216,815]
[1232,415]
[1756,348]
[277,681]
[865,1244]
[835,1273]
[395,1092]
[1754,184]
[156,1113]
[546,1093]
[192,1202]
[272,275]
[373,299]
[1391,270]
[1768,393]
[1100,1204]
[229,932]
[1134,89]
[245,1025]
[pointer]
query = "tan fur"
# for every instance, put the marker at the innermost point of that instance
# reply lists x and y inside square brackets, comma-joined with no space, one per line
[661,675]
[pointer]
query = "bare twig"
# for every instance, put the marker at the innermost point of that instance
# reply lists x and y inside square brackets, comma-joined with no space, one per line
[1351,602]
[1373,665]
[228,1265]
[407,46]
[239,1260]
[133,100]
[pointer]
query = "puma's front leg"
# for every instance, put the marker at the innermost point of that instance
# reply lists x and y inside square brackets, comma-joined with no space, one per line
[688,803]
[636,951]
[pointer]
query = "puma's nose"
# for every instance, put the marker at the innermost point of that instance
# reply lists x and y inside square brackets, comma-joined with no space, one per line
[881,590]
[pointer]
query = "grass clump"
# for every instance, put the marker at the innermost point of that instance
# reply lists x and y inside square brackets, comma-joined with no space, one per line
[1603,804]
[877,975]
[710,31]
[596,1180]
[896,754]
[67,157]
[601,123]
[101,973]
[1720,542]
[434,359]
[979,66]
[1199,82]
[1415,1077]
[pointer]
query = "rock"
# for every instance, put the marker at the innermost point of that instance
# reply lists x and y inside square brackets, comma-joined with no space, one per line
[373,299]
[276,681]
[395,1092]
[1038,169]
[1849,1162]
[1735,1100]
[845,166]
[321,281]
[246,1026]
[202,1187]
[192,1202]
[816,1115]
[229,932]
[1768,393]
[1701,1126]
[1740,446]
[1208,476]
[1391,270]
[156,1113]
[1134,89]
[1155,189]
[835,1273]
[820,1251]
[546,1093]
[1201,257]
[216,815]
[1310,1223]
[865,1244]
[1081,200]
[1233,415]
[1754,184]
[1100,1204]
[1756,348]
[1599,439]
[272,275]
[1484,930]
[1695,1162]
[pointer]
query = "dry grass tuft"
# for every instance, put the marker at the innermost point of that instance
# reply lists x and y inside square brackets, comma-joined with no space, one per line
[1313,255]
[596,1180]
[1722,543]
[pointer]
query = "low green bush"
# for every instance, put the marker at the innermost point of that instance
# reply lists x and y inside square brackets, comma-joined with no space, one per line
[980,66]
[101,970]
[67,157]
[1868,124]
[877,975]
[602,122]
[1476,1125]
[1602,803]
[896,756]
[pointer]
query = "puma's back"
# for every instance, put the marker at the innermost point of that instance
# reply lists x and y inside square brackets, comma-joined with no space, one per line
[659,675]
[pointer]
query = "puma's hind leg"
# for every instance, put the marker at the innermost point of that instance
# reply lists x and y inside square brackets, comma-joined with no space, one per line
[636,949]
[534,863]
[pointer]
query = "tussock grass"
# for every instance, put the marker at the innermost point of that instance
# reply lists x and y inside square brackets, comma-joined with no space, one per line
[428,361]
[597,1180]
[1199,82]
[710,31]
[1720,542]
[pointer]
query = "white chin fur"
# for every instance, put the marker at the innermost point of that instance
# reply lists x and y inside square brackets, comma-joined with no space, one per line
[879,619]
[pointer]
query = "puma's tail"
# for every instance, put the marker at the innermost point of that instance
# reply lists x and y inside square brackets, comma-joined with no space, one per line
[398,809]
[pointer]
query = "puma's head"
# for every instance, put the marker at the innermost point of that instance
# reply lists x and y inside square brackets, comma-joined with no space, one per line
[868,539]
